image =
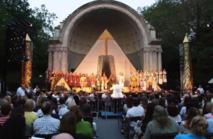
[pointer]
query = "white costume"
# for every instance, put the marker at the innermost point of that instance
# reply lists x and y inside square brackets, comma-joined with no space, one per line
[117,91]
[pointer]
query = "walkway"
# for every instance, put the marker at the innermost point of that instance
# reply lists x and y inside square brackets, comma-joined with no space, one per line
[108,129]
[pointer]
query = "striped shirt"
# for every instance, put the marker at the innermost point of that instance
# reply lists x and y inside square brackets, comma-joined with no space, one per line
[3,119]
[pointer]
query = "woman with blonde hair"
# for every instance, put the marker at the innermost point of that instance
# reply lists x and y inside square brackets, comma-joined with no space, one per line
[198,127]
[161,124]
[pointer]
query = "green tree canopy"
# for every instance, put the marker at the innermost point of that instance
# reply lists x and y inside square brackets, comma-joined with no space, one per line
[172,19]
[12,11]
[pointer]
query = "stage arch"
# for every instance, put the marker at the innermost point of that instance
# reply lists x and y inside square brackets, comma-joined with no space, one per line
[79,31]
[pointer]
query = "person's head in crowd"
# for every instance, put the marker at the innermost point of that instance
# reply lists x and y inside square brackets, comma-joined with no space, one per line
[162,102]
[68,123]
[155,101]
[82,101]
[54,102]
[136,101]
[6,109]
[208,108]
[198,125]
[171,99]
[70,102]
[161,116]
[40,101]
[77,100]
[63,136]
[46,107]
[195,102]
[190,114]
[75,109]
[129,102]
[172,110]
[148,116]
[20,102]
[17,111]
[186,101]
[8,98]
[29,105]
[151,97]
[62,100]
[86,109]
[157,95]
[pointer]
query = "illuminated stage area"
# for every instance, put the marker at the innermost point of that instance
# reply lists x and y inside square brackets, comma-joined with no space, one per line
[138,82]
[104,43]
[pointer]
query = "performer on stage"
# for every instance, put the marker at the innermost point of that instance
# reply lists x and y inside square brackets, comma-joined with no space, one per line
[92,79]
[83,81]
[121,79]
[117,91]
[133,82]
[104,82]
[160,77]
[98,83]
[164,76]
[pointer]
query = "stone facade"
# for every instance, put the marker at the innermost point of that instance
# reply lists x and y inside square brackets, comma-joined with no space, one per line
[78,33]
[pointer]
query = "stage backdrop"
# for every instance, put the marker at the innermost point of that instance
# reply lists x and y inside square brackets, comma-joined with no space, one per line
[89,64]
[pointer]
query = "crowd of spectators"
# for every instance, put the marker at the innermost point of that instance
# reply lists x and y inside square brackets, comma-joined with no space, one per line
[60,115]
[45,114]
[186,116]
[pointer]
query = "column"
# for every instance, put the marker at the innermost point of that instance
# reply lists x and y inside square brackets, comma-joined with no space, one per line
[148,60]
[56,61]
[50,60]
[155,68]
[159,61]
[151,61]
[144,61]
[64,61]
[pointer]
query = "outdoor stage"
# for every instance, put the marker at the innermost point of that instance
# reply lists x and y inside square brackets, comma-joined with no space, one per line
[88,55]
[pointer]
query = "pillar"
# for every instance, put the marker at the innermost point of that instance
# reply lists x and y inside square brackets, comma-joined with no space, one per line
[50,60]
[159,61]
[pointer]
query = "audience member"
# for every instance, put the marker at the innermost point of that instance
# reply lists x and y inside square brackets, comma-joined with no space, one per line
[5,112]
[67,126]
[30,116]
[82,127]
[14,127]
[137,110]
[46,125]
[191,113]
[198,127]
[173,112]
[161,123]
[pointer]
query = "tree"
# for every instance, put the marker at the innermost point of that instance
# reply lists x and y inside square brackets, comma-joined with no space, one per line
[17,12]
[172,19]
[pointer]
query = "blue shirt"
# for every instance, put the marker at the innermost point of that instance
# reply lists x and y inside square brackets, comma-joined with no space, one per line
[46,125]
[189,136]
[210,125]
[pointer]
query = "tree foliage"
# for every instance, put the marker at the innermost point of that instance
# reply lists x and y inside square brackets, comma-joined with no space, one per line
[172,19]
[13,11]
